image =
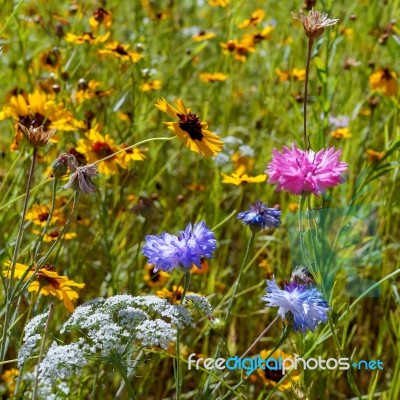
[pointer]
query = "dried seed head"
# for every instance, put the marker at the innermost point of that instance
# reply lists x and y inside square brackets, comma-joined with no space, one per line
[82,179]
[315,23]
[37,137]
[62,163]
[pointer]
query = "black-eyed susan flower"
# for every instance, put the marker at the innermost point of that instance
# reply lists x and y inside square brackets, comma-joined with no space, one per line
[296,74]
[9,377]
[100,16]
[50,60]
[257,37]
[90,91]
[384,81]
[155,278]
[48,281]
[203,35]
[241,49]
[241,178]
[54,234]
[121,51]
[173,296]
[190,129]
[271,375]
[341,133]
[86,37]
[38,214]
[218,3]
[34,110]
[213,77]
[151,85]
[256,17]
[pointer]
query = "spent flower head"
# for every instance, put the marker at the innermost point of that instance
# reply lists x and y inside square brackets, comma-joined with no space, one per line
[315,23]
[37,136]
[82,179]
[260,217]
[299,302]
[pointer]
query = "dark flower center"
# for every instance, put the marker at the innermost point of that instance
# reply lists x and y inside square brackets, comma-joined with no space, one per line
[34,120]
[120,50]
[191,124]
[43,216]
[154,276]
[79,156]
[273,375]
[101,149]
[54,234]
[100,14]
[46,279]
[386,74]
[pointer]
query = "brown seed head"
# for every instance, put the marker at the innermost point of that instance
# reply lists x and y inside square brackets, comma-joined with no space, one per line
[315,23]
[37,137]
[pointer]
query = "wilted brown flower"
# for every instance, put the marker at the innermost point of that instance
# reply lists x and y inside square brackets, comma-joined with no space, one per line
[37,137]
[315,23]
[82,179]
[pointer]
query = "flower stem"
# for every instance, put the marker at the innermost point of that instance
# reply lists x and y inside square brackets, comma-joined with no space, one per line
[305,138]
[46,328]
[235,288]
[178,372]
[17,247]
[125,377]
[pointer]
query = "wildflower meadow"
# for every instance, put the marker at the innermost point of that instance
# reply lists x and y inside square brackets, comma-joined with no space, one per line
[199,199]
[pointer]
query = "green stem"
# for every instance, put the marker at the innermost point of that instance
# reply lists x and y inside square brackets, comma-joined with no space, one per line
[305,138]
[178,371]
[17,247]
[236,285]
[122,371]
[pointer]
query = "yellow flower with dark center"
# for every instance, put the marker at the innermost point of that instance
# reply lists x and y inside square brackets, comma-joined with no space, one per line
[38,214]
[218,3]
[47,281]
[96,146]
[205,266]
[173,296]
[86,37]
[35,110]
[375,156]
[134,154]
[257,37]
[50,60]
[271,376]
[341,133]
[54,235]
[385,81]
[256,17]
[9,377]
[91,91]
[297,74]
[155,279]
[121,51]
[213,77]
[151,85]
[240,49]
[190,129]
[293,207]
[100,17]
[241,178]
[266,267]
[203,35]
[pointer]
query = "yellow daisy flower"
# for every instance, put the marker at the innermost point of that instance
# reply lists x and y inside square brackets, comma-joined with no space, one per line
[121,51]
[190,129]
[90,91]
[86,37]
[9,377]
[54,234]
[240,49]
[205,266]
[256,17]
[272,377]
[218,3]
[341,133]
[213,77]
[47,281]
[385,81]
[241,178]
[155,279]
[38,214]
[257,37]
[100,17]
[173,296]
[203,35]
[96,146]
[151,85]
[375,156]
[34,110]
[297,74]
[245,163]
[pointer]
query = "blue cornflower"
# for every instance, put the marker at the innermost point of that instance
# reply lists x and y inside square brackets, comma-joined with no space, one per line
[168,251]
[304,302]
[260,217]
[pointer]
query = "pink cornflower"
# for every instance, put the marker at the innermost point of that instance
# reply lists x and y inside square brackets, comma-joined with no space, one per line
[299,171]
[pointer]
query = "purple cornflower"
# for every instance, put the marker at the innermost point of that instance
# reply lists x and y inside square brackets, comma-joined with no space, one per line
[168,252]
[260,217]
[303,302]
[299,171]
